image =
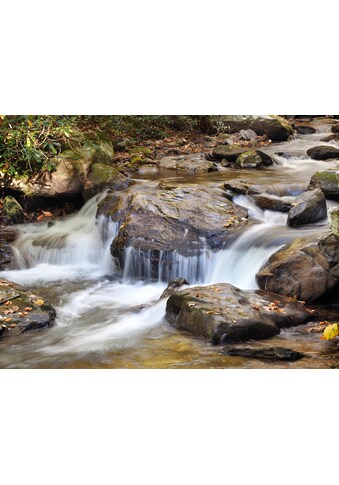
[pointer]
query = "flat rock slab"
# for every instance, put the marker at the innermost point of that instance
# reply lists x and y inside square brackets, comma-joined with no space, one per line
[273,202]
[270,353]
[224,313]
[21,310]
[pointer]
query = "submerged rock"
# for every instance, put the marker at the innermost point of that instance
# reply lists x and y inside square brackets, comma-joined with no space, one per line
[307,208]
[305,269]
[269,353]
[20,310]
[243,187]
[323,152]
[328,182]
[275,128]
[190,163]
[334,136]
[305,129]
[224,313]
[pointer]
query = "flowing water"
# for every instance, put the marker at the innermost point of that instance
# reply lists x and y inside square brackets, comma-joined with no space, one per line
[112,318]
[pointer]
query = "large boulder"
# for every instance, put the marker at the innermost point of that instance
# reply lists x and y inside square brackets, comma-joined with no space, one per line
[223,313]
[328,182]
[189,163]
[323,152]
[307,208]
[103,177]
[275,128]
[70,169]
[20,310]
[158,219]
[306,269]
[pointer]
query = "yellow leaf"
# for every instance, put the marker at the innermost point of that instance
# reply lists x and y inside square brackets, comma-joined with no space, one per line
[39,302]
[331,332]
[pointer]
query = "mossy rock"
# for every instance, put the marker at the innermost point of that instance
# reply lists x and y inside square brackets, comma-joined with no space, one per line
[328,182]
[249,159]
[12,212]
[103,177]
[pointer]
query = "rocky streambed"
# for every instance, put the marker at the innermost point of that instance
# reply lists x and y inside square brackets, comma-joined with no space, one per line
[244,223]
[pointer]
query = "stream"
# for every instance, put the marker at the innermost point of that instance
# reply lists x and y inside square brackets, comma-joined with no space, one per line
[70,265]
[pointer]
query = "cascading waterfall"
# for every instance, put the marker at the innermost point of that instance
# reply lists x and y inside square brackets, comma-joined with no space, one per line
[77,245]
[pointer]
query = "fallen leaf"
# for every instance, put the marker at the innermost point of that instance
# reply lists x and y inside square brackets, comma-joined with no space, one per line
[28,309]
[330,332]
[39,302]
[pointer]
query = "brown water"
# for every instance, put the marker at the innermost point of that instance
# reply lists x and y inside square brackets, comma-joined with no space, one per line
[96,327]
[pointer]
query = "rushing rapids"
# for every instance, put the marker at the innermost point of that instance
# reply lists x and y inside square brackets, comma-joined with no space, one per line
[105,307]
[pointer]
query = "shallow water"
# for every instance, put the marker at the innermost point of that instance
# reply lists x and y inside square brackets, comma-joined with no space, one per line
[98,324]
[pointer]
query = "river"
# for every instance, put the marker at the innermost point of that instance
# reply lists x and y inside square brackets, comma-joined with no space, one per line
[69,264]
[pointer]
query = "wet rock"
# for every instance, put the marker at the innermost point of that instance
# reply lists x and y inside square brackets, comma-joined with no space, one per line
[6,256]
[20,310]
[224,313]
[335,128]
[249,159]
[160,218]
[173,286]
[306,269]
[228,152]
[12,212]
[328,182]
[243,187]
[273,202]
[307,208]
[103,177]
[190,163]
[334,221]
[270,353]
[334,136]
[275,128]
[253,159]
[323,152]
[305,129]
